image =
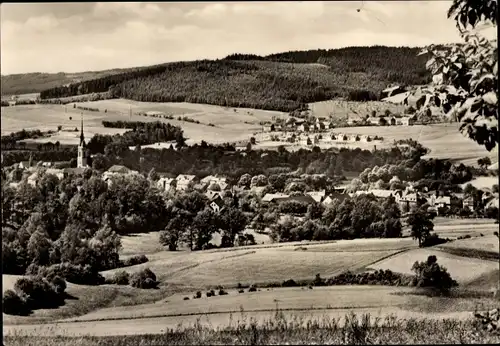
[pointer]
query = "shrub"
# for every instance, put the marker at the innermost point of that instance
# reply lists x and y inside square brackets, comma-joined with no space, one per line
[318,281]
[432,240]
[12,304]
[289,283]
[37,292]
[186,298]
[241,291]
[198,295]
[222,292]
[132,261]
[145,279]
[121,278]
[77,274]
[59,284]
[252,288]
[431,274]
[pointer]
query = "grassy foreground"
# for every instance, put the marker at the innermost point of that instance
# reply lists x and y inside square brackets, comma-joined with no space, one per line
[292,330]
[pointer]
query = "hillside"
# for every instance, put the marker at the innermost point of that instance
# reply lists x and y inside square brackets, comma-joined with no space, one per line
[282,82]
[28,83]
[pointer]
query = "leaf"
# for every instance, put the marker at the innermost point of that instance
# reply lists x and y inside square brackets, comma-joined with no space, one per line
[472,17]
[490,98]
[429,63]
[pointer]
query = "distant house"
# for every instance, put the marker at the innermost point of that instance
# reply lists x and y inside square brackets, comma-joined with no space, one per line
[184,181]
[12,103]
[269,128]
[273,197]
[374,120]
[333,196]
[407,121]
[299,198]
[304,127]
[217,204]
[379,193]
[213,194]
[59,173]
[166,184]
[392,91]
[25,164]
[317,195]
[409,200]
[116,170]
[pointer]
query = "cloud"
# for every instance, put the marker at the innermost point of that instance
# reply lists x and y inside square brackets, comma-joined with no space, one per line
[76,37]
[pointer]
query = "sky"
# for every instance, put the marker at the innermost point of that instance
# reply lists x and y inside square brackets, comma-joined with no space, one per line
[75,37]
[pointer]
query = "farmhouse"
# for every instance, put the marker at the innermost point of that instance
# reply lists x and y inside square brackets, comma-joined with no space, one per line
[379,193]
[269,128]
[166,184]
[334,196]
[304,127]
[184,181]
[273,197]
[217,204]
[213,194]
[116,170]
[407,121]
[317,195]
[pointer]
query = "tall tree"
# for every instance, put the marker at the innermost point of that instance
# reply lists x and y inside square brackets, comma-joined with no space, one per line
[421,225]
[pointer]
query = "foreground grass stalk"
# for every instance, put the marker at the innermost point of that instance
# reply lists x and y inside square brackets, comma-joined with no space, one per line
[281,329]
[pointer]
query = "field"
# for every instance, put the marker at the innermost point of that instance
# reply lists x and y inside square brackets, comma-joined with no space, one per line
[462,269]
[238,125]
[483,182]
[443,140]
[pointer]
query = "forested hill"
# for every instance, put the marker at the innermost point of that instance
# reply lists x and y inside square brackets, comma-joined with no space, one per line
[27,83]
[282,81]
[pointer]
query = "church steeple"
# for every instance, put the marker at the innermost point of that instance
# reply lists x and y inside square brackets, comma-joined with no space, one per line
[82,137]
[82,155]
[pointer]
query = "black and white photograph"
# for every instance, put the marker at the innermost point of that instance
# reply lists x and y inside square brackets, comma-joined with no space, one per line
[250,173]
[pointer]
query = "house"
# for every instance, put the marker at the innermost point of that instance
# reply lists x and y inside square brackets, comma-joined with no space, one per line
[299,198]
[273,197]
[166,184]
[317,195]
[333,196]
[374,120]
[213,194]
[184,181]
[269,128]
[304,127]
[217,204]
[391,91]
[59,173]
[407,121]
[409,200]
[115,170]
[468,203]
[378,193]
[12,103]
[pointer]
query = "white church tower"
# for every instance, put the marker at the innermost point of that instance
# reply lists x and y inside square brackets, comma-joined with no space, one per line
[82,155]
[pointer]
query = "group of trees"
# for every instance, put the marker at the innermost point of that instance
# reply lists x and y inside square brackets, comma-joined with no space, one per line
[361,217]
[141,133]
[75,221]
[193,222]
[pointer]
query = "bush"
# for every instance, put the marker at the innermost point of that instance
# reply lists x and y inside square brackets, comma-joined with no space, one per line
[318,281]
[252,288]
[120,278]
[222,292]
[132,261]
[289,283]
[198,295]
[12,304]
[145,279]
[431,274]
[241,291]
[37,292]
[77,274]
[59,284]
[433,240]
[186,298]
